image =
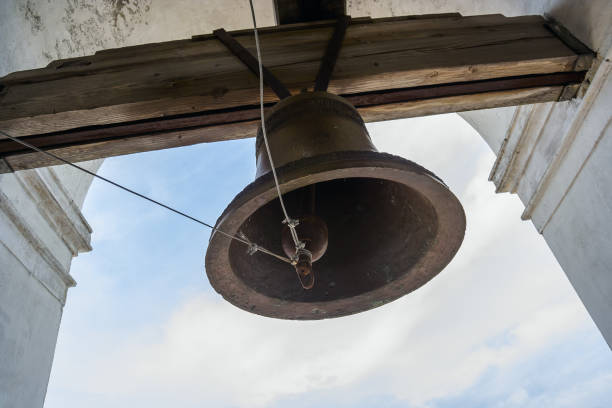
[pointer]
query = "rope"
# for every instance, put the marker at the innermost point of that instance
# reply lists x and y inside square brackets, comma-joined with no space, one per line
[252,247]
[291,223]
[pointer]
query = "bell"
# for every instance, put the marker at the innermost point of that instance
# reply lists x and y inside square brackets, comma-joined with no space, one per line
[375,226]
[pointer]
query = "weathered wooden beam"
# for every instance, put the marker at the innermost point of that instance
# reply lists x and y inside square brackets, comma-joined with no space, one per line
[241,130]
[116,143]
[172,94]
[362,101]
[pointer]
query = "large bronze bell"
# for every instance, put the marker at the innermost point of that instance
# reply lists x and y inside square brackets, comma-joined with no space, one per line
[378,226]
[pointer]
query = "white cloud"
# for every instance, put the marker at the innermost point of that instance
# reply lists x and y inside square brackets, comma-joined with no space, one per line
[210,350]
[501,302]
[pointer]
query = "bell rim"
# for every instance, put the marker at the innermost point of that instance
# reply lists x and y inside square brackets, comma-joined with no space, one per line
[345,164]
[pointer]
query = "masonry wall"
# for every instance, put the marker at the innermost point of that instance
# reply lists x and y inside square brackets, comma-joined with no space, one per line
[42,229]
[29,318]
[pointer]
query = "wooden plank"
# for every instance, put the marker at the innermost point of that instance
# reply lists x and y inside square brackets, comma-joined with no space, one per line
[302,45]
[374,57]
[137,144]
[165,95]
[54,114]
[279,48]
[179,50]
[93,134]
[464,88]
[240,130]
[378,113]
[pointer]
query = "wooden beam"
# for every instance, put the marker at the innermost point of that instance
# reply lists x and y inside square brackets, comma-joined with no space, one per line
[240,130]
[362,101]
[172,94]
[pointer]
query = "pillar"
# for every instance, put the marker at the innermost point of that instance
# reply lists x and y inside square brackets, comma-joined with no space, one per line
[42,229]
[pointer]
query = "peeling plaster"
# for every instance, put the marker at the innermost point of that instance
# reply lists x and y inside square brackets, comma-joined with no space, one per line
[105,25]
[34,32]
[127,10]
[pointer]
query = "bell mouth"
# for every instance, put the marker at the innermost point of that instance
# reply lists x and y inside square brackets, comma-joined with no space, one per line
[392,224]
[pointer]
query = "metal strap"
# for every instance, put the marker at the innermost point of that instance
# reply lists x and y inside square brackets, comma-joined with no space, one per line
[331,54]
[251,62]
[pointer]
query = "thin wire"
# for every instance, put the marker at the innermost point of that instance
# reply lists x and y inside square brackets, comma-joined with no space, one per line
[290,223]
[240,239]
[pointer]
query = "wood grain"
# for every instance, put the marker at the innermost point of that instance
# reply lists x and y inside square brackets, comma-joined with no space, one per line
[178,93]
[187,76]
[247,129]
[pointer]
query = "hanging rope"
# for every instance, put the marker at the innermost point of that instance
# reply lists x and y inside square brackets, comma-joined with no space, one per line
[291,223]
[252,247]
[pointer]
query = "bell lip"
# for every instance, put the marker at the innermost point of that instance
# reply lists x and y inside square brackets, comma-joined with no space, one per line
[346,164]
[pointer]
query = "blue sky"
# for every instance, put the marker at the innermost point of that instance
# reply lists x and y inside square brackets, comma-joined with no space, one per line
[501,326]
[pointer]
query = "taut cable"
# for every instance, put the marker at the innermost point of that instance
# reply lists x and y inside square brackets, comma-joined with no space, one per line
[291,223]
[252,247]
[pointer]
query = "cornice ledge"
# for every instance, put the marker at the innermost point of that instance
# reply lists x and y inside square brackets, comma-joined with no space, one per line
[577,145]
[58,208]
[33,253]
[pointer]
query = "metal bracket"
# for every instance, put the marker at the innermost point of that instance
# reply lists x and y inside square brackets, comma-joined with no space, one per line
[252,248]
[5,167]
[251,62]
[325,69]
[331,54]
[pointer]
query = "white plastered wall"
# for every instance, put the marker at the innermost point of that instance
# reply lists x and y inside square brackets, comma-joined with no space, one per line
[42,229]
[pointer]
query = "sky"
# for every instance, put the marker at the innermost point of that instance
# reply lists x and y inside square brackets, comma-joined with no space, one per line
[501,326]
